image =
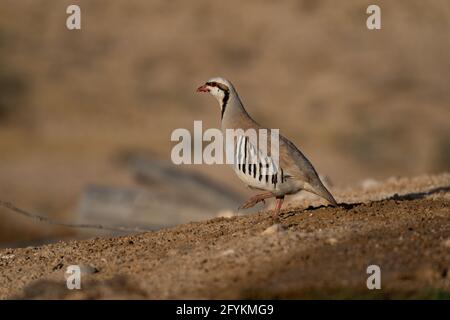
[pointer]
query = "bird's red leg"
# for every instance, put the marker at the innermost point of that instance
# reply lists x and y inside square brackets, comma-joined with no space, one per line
[255,199]
[276,213]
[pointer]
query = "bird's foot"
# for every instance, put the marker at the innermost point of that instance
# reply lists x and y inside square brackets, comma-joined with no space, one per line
[276,217]
[255,199]
[251,203]
[276,212]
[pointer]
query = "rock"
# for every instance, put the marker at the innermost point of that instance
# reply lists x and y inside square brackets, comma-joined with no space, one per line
[446,243]
[178,196]
[227,252]
[276,228]
[369,184]
[226,214]
[88,269]
[332,241]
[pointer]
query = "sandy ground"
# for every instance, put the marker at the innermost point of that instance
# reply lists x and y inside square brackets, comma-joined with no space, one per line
[358,103]
[401,225]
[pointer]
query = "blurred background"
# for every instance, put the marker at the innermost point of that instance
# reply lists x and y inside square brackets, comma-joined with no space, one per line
[86,116]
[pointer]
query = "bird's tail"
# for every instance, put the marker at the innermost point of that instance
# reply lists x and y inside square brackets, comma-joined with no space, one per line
[319,189]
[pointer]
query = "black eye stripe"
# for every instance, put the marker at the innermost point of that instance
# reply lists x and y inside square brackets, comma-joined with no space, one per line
[218,85]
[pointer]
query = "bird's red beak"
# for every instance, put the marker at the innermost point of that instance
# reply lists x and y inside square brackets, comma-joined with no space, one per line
[203,88]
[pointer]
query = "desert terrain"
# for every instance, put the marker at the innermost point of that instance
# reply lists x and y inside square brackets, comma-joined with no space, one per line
[400,225]
[360,104]
[86,118]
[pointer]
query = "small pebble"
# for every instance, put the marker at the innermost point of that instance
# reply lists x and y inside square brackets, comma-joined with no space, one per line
[332,241]
[88,269]
[227,252]
[273,229]
[226,214]
[446,243]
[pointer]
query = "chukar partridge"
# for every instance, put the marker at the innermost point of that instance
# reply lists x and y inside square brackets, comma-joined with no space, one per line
[292,173]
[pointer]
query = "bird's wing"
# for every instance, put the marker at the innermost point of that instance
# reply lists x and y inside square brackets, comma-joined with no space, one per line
[296,165]
[291,160]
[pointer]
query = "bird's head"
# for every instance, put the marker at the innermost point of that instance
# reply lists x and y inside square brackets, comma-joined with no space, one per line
[219,88]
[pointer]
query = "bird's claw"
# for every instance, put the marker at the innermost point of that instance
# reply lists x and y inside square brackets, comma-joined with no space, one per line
[251,203]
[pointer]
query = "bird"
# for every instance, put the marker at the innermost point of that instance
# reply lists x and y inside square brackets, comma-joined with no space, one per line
[292,173]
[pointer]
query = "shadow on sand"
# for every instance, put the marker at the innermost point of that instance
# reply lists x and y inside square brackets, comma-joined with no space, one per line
[396,197]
